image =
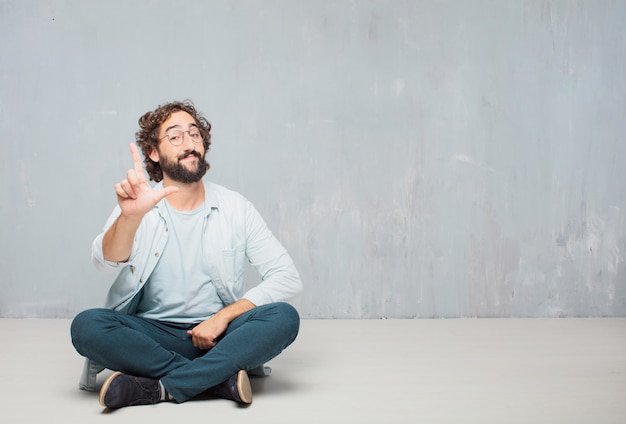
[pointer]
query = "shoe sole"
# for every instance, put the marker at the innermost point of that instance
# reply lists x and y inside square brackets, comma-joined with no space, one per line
[243,387]
[105,386]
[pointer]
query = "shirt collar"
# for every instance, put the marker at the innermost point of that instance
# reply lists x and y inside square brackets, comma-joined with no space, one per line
[210,198]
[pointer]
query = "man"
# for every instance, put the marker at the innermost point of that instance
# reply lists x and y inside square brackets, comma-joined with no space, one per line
[177,321]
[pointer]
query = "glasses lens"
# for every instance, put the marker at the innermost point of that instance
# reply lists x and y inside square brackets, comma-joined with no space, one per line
[175,137]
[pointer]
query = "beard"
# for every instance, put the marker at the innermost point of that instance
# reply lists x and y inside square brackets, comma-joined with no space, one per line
[179,172]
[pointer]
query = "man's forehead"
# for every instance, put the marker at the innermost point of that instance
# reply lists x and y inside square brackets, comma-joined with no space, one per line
[179,119]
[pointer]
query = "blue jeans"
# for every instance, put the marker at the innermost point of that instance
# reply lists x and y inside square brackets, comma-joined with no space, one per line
[164,351]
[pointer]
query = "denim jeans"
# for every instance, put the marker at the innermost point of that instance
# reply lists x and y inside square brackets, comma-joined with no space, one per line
[163,350]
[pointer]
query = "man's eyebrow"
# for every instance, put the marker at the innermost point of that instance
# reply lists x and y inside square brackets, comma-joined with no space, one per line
[191,125]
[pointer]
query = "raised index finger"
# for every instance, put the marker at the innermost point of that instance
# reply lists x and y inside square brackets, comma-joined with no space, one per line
[137,164]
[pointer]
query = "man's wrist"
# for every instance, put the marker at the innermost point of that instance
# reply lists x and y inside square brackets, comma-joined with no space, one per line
[234,310]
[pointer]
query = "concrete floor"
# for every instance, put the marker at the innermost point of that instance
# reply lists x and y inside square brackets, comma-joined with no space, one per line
[361,371]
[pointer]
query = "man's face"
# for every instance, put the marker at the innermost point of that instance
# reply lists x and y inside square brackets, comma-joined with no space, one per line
[184,163]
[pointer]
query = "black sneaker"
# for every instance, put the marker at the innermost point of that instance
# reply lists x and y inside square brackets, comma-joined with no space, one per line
[236,388]
[126,390]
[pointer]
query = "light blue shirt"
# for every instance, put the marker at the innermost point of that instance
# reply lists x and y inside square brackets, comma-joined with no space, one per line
[233,232]
[180,287]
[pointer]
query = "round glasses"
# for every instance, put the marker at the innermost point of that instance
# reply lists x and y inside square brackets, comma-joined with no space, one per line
[176,137]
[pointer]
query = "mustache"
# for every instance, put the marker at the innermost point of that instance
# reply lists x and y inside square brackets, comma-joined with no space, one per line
[187,154]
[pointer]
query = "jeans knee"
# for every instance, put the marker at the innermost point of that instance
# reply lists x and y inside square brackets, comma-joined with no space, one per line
[83,325]
[289,317]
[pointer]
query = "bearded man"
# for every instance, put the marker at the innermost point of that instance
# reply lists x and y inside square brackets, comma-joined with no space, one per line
[178,321]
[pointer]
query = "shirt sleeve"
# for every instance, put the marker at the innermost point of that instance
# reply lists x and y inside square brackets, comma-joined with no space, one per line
[280,279]
[97,255]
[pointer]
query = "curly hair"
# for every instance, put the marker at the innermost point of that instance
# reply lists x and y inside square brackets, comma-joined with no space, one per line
[148,136]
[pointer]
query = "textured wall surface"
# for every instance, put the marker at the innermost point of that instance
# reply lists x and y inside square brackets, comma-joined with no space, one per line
[417,158]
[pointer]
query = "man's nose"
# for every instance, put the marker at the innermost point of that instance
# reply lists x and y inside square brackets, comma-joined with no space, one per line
[188,143]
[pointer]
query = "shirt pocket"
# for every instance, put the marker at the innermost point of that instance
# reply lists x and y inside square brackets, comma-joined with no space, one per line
[233,261]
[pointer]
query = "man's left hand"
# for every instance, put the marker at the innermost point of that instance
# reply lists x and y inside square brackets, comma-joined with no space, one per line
[205,334]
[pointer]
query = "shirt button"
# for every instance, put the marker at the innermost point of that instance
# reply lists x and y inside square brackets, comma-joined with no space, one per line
[156,254]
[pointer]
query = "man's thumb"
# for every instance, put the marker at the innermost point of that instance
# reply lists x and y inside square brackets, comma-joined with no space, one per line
[166,191]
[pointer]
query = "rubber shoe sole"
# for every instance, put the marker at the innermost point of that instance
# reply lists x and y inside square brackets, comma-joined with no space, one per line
[106,385]
[243,387]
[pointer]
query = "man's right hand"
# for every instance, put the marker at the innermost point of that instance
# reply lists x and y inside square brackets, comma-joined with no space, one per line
[134,194]
[135,197]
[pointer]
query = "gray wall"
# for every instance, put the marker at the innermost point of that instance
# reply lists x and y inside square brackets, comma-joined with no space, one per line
[417,158]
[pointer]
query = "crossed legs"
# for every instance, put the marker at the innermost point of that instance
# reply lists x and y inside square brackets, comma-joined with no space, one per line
[164,351]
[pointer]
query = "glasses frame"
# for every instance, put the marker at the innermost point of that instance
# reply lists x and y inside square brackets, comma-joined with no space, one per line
[182,139]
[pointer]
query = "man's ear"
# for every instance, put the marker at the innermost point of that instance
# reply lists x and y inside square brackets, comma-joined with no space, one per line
[154,155]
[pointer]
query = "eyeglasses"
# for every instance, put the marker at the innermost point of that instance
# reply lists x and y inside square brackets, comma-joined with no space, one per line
[176,137]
